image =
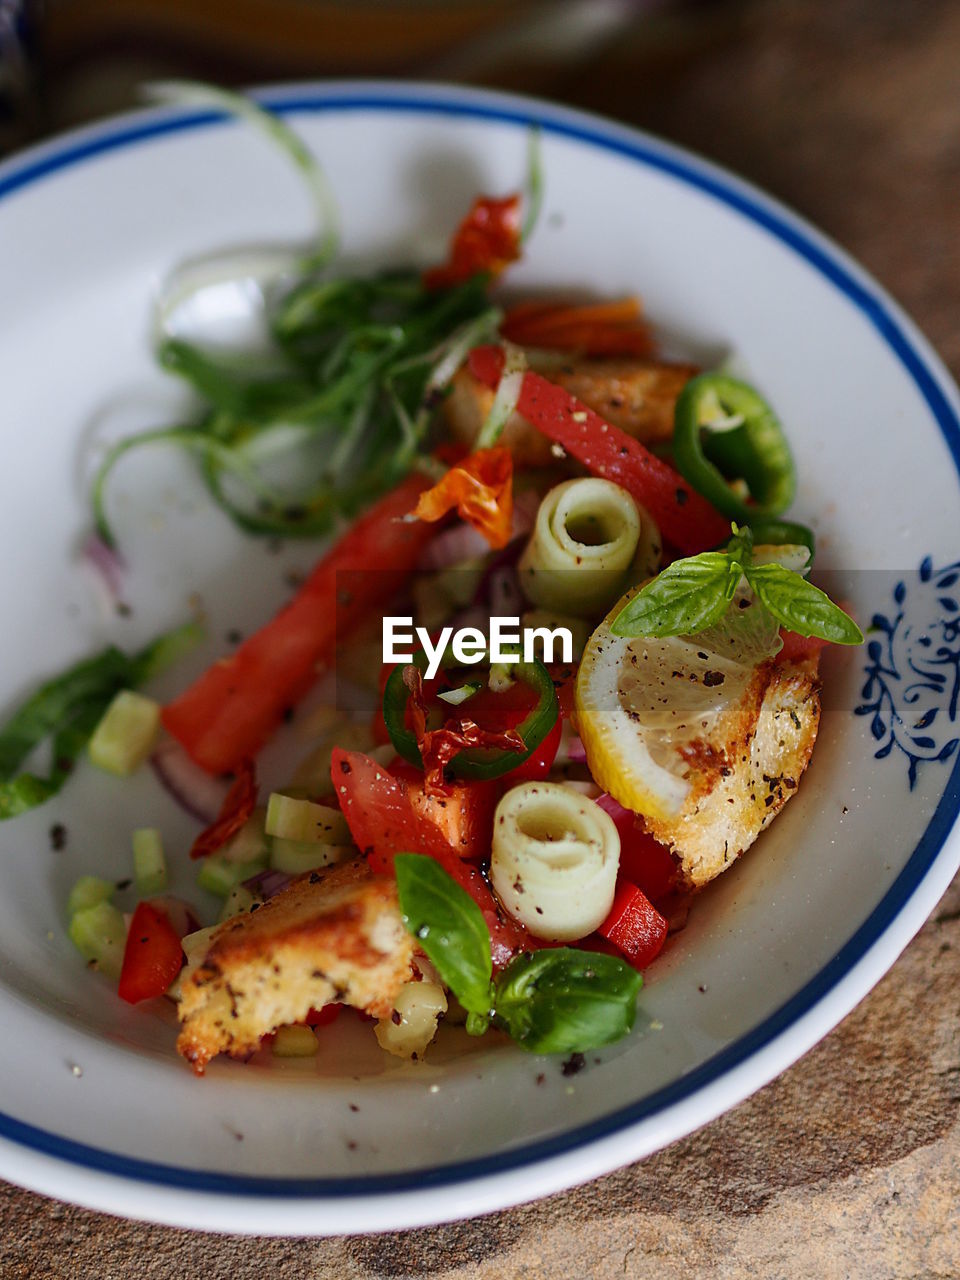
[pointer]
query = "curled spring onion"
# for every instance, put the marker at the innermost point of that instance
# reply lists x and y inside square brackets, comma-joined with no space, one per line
[340,406]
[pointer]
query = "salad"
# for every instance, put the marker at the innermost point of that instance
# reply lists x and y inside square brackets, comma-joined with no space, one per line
[595,644]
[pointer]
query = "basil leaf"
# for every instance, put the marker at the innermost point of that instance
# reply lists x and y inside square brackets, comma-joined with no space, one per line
[562,1000]
[69,708]
[686,597]
[747,632]
[449,926]
[164,652]
[801,606]
[27,790]
[56,702]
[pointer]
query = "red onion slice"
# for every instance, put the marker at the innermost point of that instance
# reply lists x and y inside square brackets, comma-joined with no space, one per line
[106,563]
[192,787]
[179,912]
[614,807]
[267,883]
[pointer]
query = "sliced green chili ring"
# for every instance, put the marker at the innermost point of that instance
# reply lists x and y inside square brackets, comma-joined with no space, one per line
[745,442]
[478,763]
[781,533]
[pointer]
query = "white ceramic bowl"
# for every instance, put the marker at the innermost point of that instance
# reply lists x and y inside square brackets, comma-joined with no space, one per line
[96,1107]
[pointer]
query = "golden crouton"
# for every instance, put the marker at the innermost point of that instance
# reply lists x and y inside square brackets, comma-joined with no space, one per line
[748,770]
[330,936]
[636,395]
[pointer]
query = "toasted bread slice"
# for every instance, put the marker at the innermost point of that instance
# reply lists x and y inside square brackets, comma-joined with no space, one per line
[635,395]
[330,936]
[742,783]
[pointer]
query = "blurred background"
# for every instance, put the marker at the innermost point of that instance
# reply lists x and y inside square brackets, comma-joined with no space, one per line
[847,109]
[68,60]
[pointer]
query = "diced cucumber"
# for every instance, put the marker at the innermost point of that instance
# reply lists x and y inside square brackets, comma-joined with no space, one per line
[126,733]
[194,948]
[291,818]
[294,1042]
[297,856]
[195,944]
[149,864]
[500,679]
[238,902]
[99,934]
[87,892]
[250,843]
[218,876]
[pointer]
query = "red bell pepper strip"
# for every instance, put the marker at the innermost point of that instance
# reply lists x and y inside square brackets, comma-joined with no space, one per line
[646,862]
[226,715]
[540,762]
[634,925]
[685,518]
[481,489]
[383,822]
[486,241]
[238,804]
[597,329]
[152,957]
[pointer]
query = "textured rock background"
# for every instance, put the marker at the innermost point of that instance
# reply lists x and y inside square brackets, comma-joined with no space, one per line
[848,1166]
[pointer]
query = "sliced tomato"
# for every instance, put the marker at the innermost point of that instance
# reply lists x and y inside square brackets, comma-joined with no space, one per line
[634,925]
[463,812]
[152,957]
[228,713]
[384,822]
[486,241]
[685,518]
[238,804]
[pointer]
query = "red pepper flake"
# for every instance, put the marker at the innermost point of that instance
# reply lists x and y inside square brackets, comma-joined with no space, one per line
[481,489]
[439,746]
[237,807]
[486,241]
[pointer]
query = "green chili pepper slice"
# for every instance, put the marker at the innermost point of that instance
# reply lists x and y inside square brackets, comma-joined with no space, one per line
[783,532]
[724,431]
[478,763]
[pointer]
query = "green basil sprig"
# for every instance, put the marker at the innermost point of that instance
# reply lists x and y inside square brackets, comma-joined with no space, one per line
[562,1000]
[558,1000]
[693,594]
[449,926]
[68,708]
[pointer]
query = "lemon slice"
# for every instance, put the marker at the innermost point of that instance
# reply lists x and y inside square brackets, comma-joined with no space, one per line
[648,709]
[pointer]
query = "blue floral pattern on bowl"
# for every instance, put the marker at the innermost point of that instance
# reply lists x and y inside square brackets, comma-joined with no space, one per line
[912,687]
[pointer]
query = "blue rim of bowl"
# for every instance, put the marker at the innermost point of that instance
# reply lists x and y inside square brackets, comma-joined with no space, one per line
[785,227]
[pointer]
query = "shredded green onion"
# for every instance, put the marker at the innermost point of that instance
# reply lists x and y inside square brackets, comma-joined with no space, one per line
[343,404]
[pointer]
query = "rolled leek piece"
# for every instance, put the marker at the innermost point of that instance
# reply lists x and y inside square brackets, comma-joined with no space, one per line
[589,536]
[554,860]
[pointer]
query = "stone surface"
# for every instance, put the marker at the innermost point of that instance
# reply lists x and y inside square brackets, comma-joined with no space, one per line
[848,1165]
